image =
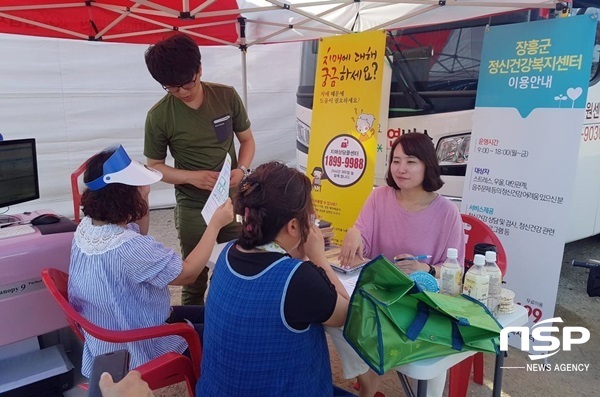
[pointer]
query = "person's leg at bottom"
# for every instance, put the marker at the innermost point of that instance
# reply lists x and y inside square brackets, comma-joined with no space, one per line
[193,294]
[193,315]
[190,228]
[352,365]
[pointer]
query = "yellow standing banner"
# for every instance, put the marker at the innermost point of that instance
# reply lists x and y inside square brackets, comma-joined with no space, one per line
[344,126]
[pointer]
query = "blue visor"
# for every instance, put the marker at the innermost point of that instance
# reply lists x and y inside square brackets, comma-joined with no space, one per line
[119,168]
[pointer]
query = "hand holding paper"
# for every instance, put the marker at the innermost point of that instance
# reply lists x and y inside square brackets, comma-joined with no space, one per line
[220,192]
[223,214]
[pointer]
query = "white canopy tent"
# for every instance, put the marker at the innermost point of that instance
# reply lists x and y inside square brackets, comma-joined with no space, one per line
[254,21]
[268,21]
[276,21]
[77,97]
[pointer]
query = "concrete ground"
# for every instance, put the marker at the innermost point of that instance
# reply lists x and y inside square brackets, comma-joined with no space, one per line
[574,306]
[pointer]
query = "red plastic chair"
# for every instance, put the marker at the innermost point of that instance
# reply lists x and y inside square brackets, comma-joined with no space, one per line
[165,370]
[76,193]
[476,232]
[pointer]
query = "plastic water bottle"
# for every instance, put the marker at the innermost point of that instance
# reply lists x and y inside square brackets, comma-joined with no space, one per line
[495,274]
[477,281]
[451,274]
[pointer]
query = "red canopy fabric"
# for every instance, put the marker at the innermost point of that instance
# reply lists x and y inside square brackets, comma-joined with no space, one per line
[214,21]
[121,20]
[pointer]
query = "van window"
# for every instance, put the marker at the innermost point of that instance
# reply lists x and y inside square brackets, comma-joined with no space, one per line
[435,68]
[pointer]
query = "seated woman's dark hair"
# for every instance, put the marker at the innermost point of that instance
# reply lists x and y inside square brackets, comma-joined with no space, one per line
[114,203]
[418,145]
[268,198]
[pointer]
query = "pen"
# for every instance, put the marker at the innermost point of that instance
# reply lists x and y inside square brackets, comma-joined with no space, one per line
[413,258]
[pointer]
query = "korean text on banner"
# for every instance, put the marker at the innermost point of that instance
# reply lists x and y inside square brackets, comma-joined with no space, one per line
[527,127]
[344,126]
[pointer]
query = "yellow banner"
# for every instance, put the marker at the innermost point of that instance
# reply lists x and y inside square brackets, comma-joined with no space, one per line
[344,126]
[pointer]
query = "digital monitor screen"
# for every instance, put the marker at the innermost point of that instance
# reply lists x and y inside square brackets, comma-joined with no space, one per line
[18,172]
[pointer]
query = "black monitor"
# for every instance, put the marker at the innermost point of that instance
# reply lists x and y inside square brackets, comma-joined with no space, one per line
[18,172]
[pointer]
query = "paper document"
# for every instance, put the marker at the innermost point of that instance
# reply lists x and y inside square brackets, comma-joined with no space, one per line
[349,284]
[220,191]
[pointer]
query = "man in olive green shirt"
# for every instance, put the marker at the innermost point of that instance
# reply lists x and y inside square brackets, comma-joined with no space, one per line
[197,121]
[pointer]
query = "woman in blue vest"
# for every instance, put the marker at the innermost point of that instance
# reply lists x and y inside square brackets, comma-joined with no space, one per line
[263,333]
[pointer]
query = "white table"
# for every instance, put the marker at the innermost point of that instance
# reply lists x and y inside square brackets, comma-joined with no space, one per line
[424,370]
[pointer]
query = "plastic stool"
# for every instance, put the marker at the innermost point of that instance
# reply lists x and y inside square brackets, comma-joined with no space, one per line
[460,375]
[478,368]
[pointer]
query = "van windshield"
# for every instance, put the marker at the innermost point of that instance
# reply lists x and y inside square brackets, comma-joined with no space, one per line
[435,68]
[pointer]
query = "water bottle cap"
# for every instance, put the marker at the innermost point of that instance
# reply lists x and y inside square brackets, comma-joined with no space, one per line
[490,256]
[479,260]
[452,253]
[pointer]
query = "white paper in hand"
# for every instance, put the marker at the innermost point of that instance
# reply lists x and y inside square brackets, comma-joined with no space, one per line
[220,192]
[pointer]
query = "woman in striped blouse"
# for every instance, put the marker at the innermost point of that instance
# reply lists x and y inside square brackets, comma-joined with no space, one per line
[119,275]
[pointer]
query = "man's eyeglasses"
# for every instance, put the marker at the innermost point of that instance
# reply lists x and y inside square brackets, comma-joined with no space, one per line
[173,89]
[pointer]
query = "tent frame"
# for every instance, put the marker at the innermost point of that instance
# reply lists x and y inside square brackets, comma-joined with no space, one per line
[135,11]
[145,10]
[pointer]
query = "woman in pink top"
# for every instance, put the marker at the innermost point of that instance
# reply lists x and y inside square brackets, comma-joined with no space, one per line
[403,219]
[407,218]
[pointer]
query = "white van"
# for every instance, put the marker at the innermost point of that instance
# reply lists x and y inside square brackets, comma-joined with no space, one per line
[434,84]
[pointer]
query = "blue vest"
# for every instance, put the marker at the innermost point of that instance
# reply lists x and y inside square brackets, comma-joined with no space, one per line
[249,349]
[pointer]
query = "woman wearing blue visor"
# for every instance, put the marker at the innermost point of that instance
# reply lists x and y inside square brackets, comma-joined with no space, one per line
[119,276]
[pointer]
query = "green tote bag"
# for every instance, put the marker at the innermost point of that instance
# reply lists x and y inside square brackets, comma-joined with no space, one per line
[391,323]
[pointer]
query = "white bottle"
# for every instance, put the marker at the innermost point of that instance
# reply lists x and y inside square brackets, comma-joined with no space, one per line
[495,274]
[477,281]
[451,274]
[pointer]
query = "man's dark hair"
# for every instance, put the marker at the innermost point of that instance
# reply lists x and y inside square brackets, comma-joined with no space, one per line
[420,146]
[173,61]
[268,198]
[114,203]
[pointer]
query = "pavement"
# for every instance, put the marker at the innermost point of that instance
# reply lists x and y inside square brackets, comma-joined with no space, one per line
[563,379]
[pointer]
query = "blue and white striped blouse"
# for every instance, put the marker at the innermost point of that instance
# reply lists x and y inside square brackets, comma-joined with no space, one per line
[118,280]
